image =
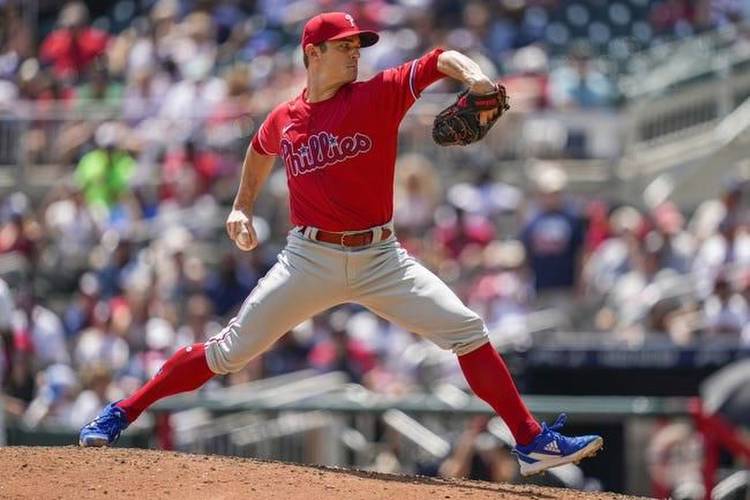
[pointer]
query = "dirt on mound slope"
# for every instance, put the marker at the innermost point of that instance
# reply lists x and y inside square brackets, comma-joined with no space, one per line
[71,472]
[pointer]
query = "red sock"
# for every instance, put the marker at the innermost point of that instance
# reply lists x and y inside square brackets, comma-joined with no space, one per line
[186,370]
[490,379]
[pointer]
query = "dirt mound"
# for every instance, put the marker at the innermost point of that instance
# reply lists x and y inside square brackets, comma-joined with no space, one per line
[71,472]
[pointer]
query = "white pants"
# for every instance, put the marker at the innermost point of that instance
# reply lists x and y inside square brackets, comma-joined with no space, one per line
[311,277]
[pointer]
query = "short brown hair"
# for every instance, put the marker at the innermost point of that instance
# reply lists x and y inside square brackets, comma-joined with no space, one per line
[322,46]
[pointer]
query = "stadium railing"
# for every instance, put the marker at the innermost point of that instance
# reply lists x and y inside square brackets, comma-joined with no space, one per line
[2,423]
[668,65]
[416,418]
[590,143]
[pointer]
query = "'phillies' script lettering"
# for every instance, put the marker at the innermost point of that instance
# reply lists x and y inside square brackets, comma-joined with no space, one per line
[322,150]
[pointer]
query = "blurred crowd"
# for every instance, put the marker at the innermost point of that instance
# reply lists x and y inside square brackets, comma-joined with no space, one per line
[126,258]
[176,58]
[103,291]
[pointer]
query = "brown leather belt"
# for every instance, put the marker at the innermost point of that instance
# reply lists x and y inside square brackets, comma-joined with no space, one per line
[349,239]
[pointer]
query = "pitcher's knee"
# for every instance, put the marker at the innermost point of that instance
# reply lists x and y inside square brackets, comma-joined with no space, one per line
[466,335]
[221,361]
[461,348]
[228,351]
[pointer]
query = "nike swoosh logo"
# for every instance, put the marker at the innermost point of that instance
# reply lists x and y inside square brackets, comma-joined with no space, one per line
[286,127]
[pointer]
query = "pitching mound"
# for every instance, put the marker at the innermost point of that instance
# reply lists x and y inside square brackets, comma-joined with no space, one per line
[71,472]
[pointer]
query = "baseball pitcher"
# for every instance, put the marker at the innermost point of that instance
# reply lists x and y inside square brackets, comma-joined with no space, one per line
[338,141]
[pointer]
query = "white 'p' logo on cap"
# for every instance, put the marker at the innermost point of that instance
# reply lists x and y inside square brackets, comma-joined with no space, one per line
[350,19]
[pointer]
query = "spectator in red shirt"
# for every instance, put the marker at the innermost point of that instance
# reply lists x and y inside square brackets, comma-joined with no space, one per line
[342,352]
[71,48]
[189,160]
[456,233]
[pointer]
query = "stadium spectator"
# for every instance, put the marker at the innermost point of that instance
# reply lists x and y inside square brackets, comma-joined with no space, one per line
[98,345]
[16,40]
[20,231]
[553,237]
[528,80]
[20,386]
[676,247]
[730,245]
[54,397]
[104,173]
[460,230]
[199,323]
[485,195]
[79,313]
[228,286]
[616,255]
[96,393]
[75,45]
[725,311]
[72,231]
[340,352]
[480,455]
[674,16]
[42,328]
[578,84]
[160,345]
[417,194]
[290,353]
[503,291]
[189,160]
[112,275]
[734,189]
[99,91]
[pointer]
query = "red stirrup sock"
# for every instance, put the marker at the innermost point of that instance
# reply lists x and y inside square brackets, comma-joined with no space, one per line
[186,370]
[490,379]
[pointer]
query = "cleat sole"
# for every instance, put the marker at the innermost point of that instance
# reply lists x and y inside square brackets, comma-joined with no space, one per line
[575,458]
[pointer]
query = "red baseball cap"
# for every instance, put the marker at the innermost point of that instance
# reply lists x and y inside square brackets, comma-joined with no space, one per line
[335,26]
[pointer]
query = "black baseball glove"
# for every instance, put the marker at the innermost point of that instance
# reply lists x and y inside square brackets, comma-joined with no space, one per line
[459,123]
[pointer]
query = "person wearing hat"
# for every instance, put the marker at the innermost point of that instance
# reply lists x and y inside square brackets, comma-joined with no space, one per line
[553,237]
[338,141]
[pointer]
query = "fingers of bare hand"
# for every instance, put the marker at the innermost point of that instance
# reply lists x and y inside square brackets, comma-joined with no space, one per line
[233,229]
[253,240]
[247,240]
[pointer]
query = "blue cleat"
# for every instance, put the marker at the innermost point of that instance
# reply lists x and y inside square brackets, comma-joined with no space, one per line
[551,449]
[105,429]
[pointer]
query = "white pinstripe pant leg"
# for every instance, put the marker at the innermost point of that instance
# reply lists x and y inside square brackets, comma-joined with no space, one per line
[307,279]
[391,283]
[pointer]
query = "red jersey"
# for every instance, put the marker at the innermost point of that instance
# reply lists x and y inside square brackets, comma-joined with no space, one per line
[70,54]
[340,153]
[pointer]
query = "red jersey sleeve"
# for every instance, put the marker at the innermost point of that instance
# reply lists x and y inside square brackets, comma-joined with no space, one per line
[404,84]
[268,136]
